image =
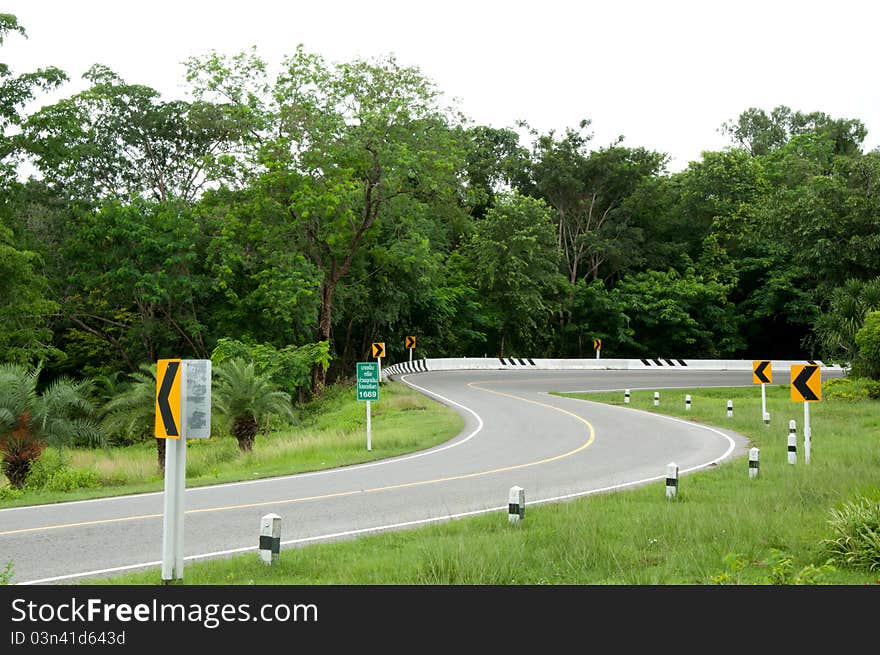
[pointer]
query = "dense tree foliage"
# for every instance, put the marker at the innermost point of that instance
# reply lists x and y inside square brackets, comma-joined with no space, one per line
[292,218]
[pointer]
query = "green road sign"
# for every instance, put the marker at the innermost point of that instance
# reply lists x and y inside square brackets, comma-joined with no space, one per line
[367,381]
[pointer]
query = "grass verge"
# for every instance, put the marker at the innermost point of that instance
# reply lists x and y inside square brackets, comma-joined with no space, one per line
[331,433]
[723,528]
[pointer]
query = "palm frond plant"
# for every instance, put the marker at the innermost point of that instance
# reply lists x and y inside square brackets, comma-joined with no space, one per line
[246,399]
[130,416]
[31,420]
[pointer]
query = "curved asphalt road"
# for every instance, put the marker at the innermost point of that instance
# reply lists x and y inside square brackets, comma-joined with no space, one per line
[515,433]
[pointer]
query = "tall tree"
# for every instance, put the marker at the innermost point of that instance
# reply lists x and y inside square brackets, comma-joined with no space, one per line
[25,305]
[513,258]
[346,145]
[587,190]
[117,140]
[15,93]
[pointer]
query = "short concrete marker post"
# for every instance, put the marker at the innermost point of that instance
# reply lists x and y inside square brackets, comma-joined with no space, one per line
[729,409]
[270,538]
[656,399]
[766,418]
[516,505]
[753,463]
[687,403]
[626,396]
[671,480]
[792,442]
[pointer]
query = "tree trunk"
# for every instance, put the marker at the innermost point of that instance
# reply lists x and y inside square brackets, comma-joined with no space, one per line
[16,471]
[244,429]
[160,455]
[325,324]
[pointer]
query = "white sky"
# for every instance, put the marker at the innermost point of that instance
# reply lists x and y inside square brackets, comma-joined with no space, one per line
[665,73]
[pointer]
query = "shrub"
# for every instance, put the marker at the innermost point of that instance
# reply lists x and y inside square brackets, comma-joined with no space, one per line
[856,534]
[51,473]
[10,493]
[851,388]
[68,479]
[868,342]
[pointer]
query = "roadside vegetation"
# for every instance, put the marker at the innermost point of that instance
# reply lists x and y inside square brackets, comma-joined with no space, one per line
[794,524]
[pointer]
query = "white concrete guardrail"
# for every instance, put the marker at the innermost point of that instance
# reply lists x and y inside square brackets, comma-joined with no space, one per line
[528,363]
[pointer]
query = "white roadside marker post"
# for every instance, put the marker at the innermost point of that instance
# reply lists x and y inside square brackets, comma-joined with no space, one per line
[626,396]
[729,409]
[270,538]
[516,505]
[687,403]
[672,480]
[753,463]
[656,399]
[792,442]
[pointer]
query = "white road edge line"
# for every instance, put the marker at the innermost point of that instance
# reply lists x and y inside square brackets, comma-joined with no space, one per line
[436,519]
[355,467]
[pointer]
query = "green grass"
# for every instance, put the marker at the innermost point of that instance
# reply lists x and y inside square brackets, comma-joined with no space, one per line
[331,433]
[723,528]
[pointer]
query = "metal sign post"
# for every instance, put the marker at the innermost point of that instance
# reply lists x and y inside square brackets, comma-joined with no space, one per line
[183,410]
[369,430]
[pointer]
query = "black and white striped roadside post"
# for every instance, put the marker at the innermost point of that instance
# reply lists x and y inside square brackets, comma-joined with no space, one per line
[516,505]
[687,403]
[671,480]
[270,538]
[753,463]
[656,399]
[729,409]
[792,442]
[626,396]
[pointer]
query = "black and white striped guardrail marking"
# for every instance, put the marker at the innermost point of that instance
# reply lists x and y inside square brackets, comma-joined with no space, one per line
[671,480]
[753,463]
[517,361]
[516,505]
[660,362]
[270,538]
[792,442]
[415,366]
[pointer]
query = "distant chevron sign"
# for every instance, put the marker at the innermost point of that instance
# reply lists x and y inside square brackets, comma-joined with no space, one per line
[762,372]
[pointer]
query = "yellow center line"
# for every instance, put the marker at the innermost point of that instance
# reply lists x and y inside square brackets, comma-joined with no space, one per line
[342,494]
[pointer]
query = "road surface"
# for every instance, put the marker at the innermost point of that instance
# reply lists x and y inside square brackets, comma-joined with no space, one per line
[515,434]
